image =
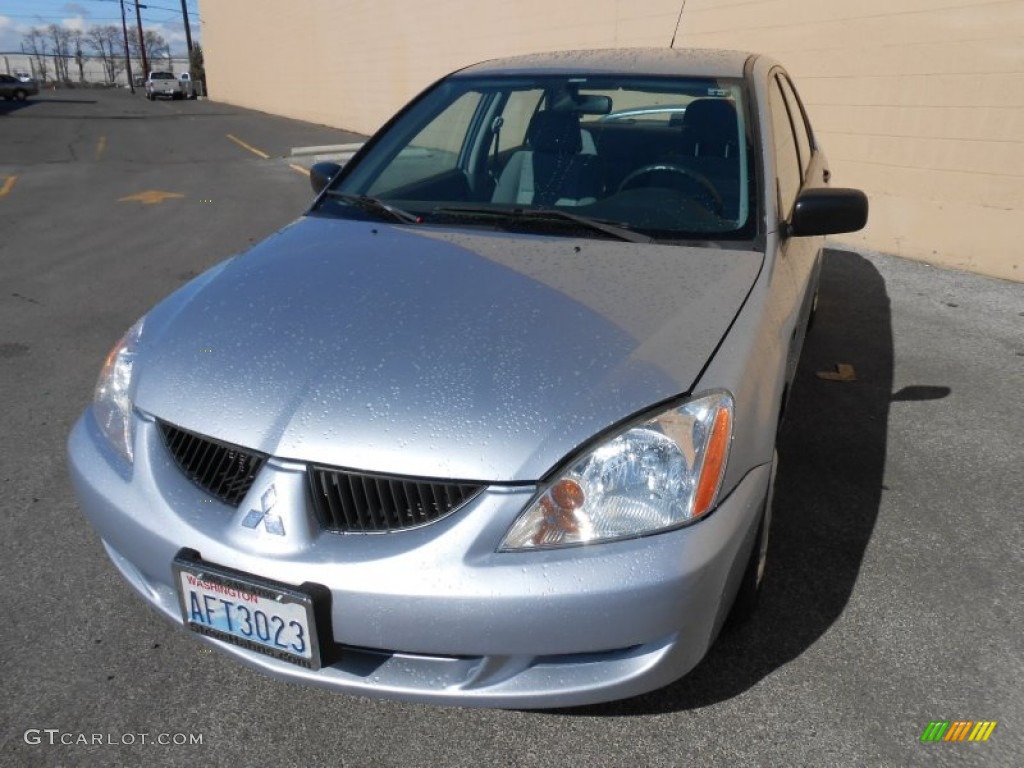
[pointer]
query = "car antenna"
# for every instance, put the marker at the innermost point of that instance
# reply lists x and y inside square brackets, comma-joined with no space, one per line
[678,19]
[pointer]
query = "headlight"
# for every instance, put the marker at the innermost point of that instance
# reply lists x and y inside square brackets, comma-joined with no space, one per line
[660,474]
[112,403]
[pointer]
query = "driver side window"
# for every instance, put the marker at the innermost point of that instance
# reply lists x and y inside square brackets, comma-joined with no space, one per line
[787,159]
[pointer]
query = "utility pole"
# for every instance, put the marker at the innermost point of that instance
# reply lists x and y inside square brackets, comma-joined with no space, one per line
[127,55]
[188,30]
[142,39]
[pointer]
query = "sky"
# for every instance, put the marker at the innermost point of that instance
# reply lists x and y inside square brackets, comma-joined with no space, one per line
[162,16]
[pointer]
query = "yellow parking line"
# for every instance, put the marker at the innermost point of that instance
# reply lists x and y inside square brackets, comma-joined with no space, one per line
[8,185]
[101,145]
[298,168]
[251,148]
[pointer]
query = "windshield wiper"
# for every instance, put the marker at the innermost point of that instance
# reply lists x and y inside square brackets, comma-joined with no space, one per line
[609,228]
[376,206]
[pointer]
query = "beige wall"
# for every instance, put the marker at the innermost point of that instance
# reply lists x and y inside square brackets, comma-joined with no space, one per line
[918,102]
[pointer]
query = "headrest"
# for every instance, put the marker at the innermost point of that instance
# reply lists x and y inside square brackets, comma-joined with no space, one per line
[709,127]
[555,132]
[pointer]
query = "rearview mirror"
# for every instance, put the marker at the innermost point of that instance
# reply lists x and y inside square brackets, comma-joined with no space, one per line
[593,104]
[582,104]
[321,174]
[826,211]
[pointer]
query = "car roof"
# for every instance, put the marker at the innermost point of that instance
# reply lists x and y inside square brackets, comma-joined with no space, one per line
[699,62]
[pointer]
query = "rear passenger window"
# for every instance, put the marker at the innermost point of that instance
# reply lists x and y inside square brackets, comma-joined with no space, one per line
[799,119]
[787,161]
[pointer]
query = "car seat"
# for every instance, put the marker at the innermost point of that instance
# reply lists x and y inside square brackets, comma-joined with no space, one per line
[553,171]
[710,147]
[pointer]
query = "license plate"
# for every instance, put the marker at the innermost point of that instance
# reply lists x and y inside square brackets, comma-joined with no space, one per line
[247,611]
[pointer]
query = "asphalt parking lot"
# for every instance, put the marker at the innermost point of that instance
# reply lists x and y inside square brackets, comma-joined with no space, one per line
[896,559]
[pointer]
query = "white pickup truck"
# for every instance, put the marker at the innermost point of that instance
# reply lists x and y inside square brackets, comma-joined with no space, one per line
[160,83]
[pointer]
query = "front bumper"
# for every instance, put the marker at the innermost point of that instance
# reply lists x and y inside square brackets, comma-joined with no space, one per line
[436,614]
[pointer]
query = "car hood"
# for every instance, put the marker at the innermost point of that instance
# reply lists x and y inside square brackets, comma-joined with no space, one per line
[434,353]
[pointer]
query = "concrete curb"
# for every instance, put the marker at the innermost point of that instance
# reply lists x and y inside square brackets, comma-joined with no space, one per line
[328,149]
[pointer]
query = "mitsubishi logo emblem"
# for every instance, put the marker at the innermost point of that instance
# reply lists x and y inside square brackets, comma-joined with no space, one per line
[271,522]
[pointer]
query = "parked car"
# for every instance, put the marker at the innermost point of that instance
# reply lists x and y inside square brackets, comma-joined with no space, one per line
[16,89]
[492,424]
[189,87]
[166,84]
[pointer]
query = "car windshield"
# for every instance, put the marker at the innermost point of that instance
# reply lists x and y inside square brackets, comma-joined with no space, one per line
[664,158]
[161,76]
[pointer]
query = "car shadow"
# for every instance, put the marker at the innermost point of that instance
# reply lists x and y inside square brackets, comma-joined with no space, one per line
[7,107]
[828,490]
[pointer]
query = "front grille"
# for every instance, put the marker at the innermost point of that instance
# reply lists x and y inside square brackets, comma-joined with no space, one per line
[223,470]
[353,502]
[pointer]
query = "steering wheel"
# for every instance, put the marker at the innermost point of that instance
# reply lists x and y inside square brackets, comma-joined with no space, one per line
[706,193]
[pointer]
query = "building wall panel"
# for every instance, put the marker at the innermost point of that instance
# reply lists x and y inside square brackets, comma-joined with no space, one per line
[919,102]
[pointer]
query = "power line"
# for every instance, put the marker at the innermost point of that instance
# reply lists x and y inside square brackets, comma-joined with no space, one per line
[43,19]
[87,19]
[59,12]
[160,7]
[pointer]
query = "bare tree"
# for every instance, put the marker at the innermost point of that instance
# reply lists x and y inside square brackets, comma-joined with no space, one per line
[135,50]
[197,65]
[77,38]
[61,37]
[156,46]
[38,47]
[105,42]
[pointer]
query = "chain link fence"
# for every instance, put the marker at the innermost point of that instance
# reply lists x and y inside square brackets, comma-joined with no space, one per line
[51,71]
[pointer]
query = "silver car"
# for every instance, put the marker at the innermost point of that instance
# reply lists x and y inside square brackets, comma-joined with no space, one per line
[493,423]
[17,88]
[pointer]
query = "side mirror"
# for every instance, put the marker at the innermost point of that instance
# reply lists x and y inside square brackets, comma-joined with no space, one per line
[321,174]
[826,211]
